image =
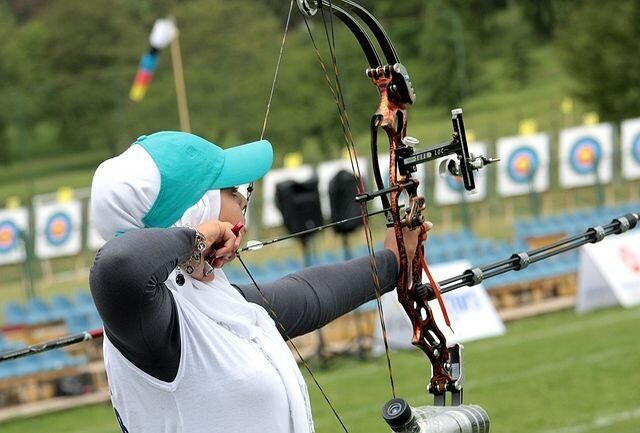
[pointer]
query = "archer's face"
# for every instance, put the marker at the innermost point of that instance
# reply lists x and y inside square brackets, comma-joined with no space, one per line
[232,205]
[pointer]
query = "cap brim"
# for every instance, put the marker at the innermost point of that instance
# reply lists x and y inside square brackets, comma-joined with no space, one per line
[245,163]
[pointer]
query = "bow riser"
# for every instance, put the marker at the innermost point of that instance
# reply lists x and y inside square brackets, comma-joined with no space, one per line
[392,117]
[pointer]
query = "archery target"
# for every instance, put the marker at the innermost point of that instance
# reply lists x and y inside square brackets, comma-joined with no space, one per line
[454,183]
[450,189]
[524,164]
[586,155]
[58,229]
[12,223]
[630,135]
[9,235]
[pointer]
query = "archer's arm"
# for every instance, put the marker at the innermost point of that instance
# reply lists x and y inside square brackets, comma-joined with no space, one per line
[137,308]
[309,299]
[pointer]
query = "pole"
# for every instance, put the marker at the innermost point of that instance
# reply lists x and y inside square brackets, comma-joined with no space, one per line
[181,92]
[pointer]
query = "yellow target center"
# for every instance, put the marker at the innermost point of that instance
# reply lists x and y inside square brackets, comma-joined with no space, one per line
[58,228]
[585,155]
[5,236]
[523,165]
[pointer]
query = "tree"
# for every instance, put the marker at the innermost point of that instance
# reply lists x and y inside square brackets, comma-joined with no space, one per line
[600,47]
[515,42]
[445,56]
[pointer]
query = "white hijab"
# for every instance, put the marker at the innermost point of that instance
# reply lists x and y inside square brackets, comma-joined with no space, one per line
[124,189]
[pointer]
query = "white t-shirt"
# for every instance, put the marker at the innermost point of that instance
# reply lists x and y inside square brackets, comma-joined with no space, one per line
[224,384]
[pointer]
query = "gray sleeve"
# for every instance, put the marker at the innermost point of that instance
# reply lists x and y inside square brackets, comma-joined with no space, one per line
[138,310]
[309,299]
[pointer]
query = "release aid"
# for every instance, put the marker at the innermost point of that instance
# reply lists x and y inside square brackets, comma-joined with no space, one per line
[402,418]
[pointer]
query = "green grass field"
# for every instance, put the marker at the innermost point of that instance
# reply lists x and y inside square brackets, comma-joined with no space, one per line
[558,373]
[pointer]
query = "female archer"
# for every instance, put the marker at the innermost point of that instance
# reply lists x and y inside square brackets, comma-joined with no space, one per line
[185,349]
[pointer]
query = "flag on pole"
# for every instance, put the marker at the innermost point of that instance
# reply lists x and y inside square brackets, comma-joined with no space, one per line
[163,33]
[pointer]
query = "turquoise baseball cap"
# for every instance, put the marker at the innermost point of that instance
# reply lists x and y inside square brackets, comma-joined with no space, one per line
[190,166]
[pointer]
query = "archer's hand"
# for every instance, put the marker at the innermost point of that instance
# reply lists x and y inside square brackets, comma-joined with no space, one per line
[221,246]
[410,241]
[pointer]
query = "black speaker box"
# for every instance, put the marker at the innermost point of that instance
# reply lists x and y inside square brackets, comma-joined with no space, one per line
[343,189]
[299,203]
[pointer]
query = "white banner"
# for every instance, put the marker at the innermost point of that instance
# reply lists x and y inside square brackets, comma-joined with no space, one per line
[631,149]
[609,273]
[58,229]
[450,189]
[524,164]
[472,314]
[271,216]
[13,222]
[326,171]
[586,155]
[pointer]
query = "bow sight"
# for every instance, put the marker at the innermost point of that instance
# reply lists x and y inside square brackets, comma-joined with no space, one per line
[463,164]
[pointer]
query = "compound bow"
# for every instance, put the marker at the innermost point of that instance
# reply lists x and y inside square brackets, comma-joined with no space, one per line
[393,83]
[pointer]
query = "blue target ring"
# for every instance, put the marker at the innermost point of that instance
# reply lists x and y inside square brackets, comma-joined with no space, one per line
[454,183]
[585,155]
[58,228]
[9,235]
[523,164]
[635,148]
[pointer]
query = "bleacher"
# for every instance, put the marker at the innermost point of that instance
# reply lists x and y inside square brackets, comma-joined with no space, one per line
[554,280]
[78,313]
[38,377]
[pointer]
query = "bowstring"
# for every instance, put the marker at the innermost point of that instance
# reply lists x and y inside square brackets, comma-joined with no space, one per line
[290,340]
[276,73]
[338,96]
[249,192]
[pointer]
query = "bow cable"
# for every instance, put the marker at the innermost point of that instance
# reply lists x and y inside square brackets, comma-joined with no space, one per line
[249,192]
[338,96]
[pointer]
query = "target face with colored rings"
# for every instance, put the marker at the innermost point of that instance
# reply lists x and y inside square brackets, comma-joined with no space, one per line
[523,164]
[585,155]
[454,183]
[9,234]
[58,228]
[635,148]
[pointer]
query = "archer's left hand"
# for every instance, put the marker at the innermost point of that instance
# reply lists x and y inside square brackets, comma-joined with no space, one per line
[410,241]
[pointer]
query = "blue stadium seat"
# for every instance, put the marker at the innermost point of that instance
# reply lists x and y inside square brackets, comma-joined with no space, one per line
[14,314]
[5,370]
[77,323]
[38,311]
[8,345]
[84,303]
[27,365]
[94,321]
[61,307]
